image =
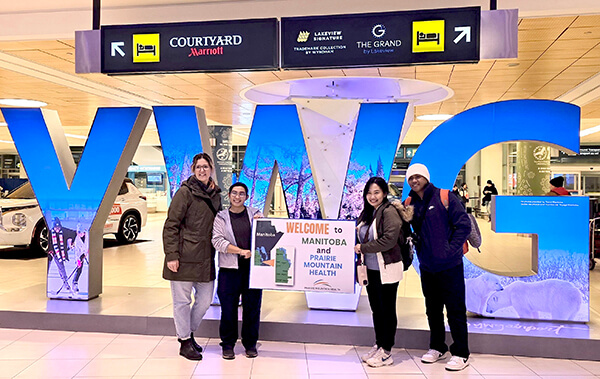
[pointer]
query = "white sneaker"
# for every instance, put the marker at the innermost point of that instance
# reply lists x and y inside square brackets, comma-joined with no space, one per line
[365,357]
[380,358]
[457,363]
[432,356]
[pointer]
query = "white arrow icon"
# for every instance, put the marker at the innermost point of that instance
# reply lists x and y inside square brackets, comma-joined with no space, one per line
[115,47]
[465,31]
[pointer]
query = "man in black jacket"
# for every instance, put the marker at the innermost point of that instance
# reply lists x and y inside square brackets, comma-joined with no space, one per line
[442,227]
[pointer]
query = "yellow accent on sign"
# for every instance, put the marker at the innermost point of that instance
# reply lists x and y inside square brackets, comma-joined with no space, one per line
[428,36]
[146,48]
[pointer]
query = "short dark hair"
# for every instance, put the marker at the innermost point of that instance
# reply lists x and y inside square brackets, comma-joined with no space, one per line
[239,184]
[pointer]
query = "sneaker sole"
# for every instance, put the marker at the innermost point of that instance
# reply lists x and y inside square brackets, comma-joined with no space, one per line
[457,369]
[389,362]
[443,356]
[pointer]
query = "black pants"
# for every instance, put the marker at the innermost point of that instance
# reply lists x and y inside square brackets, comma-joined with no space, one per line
[382,298]
[232,284]
[446,288]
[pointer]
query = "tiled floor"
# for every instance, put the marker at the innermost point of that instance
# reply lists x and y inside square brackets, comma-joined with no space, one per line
[57,354]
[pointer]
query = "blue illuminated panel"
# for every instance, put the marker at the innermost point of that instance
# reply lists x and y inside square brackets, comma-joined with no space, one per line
[559,224]
[276,138]
[179,130]
[373,150]
[75,207]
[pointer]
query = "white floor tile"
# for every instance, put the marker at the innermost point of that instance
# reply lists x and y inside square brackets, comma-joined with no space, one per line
[165,367]
[591,366]
[66,368]
[140,349]
[83,338]
[552,367]
[11,367]
[25,350]
[111,368]
[64,352]
[499,365]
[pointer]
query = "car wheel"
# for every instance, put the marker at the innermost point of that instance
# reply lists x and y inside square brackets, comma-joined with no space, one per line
[129,229]
[40,240]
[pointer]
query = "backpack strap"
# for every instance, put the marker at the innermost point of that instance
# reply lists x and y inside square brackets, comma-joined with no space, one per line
[444,197]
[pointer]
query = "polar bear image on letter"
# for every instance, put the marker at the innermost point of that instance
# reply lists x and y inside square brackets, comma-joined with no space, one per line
[557,297]
[479,289]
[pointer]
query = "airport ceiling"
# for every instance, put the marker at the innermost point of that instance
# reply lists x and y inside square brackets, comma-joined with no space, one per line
[559,58]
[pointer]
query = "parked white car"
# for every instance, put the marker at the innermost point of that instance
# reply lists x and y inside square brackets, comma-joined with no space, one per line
[21,221]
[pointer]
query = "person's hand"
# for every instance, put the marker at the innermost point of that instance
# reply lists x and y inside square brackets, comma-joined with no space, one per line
[258,215]
[357,248]
[245,253]
[173,265]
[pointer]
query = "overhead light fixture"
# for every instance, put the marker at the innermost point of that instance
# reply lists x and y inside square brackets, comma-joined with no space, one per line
[588,131]
[75,136]
[22,103]
[2,141]
[434,117]
[3,124]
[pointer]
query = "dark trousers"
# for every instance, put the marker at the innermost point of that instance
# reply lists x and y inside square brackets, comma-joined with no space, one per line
[382,298]
[446,288]
[233,283]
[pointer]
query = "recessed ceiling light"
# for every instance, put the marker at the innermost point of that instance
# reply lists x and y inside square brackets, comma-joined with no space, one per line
[434,117]
[2,141]
[588,131]
[3,124]
[75,136]
[22,103]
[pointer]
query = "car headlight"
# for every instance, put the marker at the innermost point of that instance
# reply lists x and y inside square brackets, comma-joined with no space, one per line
[19,219]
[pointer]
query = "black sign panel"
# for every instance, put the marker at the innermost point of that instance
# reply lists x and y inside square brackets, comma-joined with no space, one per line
[378,39]
[199,46]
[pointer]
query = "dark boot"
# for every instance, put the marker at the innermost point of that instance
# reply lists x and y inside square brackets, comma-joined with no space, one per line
[196,346]
[188,351]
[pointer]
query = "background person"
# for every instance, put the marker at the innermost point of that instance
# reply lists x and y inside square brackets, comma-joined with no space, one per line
[556,187]
[378,230]
[441,234]
[232,235]
[488,191]
[189,255]
[464,194]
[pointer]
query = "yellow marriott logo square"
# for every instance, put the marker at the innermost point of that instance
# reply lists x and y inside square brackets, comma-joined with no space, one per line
[146,48]
[428,36]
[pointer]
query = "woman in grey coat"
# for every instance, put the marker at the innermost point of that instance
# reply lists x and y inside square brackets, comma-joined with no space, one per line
[189,255]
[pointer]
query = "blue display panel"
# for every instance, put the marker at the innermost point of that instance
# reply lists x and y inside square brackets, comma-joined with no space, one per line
[375,142]
[276,145]
[558,224]
[75,202]
[183,134]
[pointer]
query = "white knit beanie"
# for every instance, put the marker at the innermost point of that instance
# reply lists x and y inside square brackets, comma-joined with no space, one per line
[417,169]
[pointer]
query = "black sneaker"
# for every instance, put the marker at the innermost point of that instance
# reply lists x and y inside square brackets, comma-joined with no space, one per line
[228,353]
[187,350]
[251,352]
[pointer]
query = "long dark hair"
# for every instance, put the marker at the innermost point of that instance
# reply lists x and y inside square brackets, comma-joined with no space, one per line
[368,210]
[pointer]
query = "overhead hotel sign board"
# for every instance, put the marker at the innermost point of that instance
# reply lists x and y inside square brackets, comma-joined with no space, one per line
[379,39]
[195,46]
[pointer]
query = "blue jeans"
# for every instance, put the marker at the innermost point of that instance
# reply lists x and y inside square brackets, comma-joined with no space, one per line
[187,319]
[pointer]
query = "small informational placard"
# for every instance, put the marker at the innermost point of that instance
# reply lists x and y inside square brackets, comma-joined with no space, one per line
[376,39]
[303,255]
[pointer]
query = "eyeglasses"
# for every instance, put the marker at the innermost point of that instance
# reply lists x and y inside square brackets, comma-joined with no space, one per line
[237,194]
[203,168]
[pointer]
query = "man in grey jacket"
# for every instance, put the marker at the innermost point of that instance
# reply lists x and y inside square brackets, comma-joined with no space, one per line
[232,233]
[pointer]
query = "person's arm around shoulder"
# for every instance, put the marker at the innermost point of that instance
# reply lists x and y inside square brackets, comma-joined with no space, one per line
[172,228]
[391,230]
[459,220]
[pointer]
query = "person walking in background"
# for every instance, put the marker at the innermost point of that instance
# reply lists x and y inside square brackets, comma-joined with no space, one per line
[488,191]
[232,235]
[441,230]
[463,192]
[378,231]
[189,256]
[556,187]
